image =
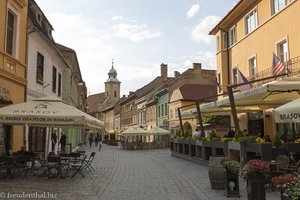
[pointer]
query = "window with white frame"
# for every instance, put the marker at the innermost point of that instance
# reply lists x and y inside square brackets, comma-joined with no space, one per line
[218,43]
[54,78]
[235,75]
[59,85]
[251,21]
[232,36]
[225,40]
[11,32]
[40,69]
[278,5]
[252,67]
[283,51]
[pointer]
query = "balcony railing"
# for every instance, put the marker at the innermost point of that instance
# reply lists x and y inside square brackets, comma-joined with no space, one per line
[293,69]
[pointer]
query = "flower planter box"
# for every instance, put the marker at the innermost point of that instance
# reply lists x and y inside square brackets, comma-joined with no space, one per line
[234,146]
[279,151]
[220,148]
[292,147]
[207,149]
[231,184]
[192,142]
[199,142]
[256,187]
[263,149]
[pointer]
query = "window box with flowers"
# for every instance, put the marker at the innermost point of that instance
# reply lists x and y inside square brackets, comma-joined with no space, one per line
[254,172]
[288,185]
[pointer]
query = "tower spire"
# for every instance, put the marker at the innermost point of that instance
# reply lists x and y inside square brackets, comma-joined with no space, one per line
[112,63]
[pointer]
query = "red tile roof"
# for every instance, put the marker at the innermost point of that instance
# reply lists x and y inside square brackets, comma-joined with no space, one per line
[198,91]
[94,101]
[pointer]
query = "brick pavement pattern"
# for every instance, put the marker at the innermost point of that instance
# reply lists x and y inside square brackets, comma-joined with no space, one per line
[129,175]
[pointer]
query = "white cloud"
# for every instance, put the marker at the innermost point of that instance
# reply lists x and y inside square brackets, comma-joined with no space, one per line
[135,32]
[117,17]
[200,32]
[193,11]
[89,38]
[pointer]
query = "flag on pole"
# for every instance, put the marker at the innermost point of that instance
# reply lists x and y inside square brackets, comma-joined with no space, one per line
[243,79]
[277,66]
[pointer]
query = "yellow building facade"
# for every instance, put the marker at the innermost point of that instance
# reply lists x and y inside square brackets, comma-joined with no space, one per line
[13,20]
[246,39]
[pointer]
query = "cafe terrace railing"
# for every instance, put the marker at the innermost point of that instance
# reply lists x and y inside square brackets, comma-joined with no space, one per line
[201,150]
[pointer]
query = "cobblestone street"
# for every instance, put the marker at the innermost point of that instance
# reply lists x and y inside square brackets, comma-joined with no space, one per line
[132,175]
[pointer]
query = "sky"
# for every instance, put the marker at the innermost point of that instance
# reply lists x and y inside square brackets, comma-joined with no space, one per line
[138,35]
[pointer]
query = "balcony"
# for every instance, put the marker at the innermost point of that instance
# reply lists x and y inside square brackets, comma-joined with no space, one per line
[293,68]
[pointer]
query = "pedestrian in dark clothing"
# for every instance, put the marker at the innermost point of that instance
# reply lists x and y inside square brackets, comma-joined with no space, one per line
[96,141]
[91,140]
[53,139]
[63,142]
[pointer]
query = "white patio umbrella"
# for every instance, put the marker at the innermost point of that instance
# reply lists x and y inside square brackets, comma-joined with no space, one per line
[47,112]
[134,131]
[158,131]
[289,112]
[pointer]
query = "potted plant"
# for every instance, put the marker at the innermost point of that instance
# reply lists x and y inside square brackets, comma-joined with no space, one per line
[231,170]
[289,186]
[254,172]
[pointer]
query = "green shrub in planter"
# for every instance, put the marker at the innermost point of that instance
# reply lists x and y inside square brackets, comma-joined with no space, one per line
[277,140]
[238,134]
[233,166]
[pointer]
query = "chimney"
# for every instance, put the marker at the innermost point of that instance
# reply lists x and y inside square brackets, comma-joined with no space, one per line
[197,66]
[164,70]
[176,74]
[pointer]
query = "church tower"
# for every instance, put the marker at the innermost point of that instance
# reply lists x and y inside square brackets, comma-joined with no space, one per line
[112,85]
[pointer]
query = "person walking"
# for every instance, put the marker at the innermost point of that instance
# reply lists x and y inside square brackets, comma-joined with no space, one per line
[100,145]
[91,140]
[53,140]
[96,141]
[63,142]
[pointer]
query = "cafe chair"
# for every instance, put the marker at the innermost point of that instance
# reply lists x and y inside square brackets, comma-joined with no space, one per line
[89,161]
[78,167]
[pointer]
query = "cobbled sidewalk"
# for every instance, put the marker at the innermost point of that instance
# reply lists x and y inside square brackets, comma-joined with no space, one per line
[126,175]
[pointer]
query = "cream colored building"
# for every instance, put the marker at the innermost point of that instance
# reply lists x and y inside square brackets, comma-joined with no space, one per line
[246,39]
[195,83]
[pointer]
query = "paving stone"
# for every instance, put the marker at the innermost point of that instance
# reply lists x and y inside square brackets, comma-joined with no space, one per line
[129,175]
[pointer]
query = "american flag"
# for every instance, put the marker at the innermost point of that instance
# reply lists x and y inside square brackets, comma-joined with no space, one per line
[243,79]
[277,66]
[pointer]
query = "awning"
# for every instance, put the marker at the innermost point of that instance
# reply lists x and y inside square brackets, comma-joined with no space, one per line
[270,95]
[287,113]
[158,131]
[134,131]
[47,112]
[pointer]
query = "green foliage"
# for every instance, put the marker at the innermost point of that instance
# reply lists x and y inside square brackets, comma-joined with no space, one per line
[5,102]
[248,139]
[238,134]
[232,166]
[277,140]
[213,135]
[216,120]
